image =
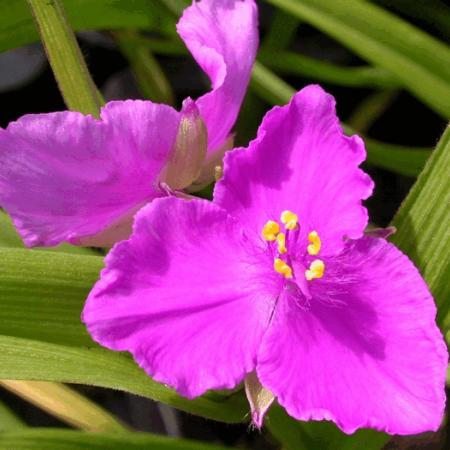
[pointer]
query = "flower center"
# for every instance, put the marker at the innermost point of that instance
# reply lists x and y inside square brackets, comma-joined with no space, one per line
[272,232]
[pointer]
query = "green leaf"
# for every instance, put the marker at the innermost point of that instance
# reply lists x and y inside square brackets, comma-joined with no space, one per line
[176,7]
[252,110]
[423,226]
[435,13]
[8,234]
[64,403]
[57,439]
[149,75]
[269,86]
[170,47]
[398,158]
[57,399]
[289,63]
[44,340]
[281,32]
[419,61]
[8,420]
[64,54]
[43,294]
[320,435]
[25,359]
[10,238]
[370,109]
[17,27]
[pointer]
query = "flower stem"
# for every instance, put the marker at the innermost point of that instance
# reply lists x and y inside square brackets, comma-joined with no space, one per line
[65,57]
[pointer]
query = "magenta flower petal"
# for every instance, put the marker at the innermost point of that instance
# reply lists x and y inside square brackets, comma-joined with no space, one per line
[302,162]
[366,352]
[275,278]
[222,35]
[189,295]
[65,176]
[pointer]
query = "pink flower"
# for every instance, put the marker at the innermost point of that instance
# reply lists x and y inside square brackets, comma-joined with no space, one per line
[69,177]
[276,278]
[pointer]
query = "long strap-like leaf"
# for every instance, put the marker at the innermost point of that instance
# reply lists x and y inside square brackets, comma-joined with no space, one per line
[417,59]
[423,224]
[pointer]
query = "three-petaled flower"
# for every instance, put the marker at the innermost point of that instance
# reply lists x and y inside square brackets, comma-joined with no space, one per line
[69,177]
[275,281]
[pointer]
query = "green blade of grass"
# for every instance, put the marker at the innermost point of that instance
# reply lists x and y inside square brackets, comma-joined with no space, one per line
[43,294]
[17,27]
[26,359]
[400,159]
[9,421]
[417,59]
[149,75]
[10,238]
[64,54]
[423,224]
[281,32]
[57,439]
[289,63]
[44,340]
[370,109]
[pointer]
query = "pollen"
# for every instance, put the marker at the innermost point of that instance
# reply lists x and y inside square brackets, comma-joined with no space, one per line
[282,267]
[316,243]
[289,219]
[281,242]
[270,230]
[316,270]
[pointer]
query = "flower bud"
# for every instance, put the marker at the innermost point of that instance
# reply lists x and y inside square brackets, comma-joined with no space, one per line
[258,397]
[189,151]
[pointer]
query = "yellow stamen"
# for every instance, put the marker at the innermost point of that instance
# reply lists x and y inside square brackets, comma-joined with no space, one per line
[316,243]
[218,172]
[270,230]
[289,219]
[281,267]
[281,241]
[316,270]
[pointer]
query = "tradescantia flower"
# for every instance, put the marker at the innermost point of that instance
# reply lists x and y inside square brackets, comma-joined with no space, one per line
[275,282]
[69,177]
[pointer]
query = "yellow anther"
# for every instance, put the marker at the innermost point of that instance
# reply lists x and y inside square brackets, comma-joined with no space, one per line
[316,243]
[270,230]
[316,270]
[281,241]
[282,267]
[289,219]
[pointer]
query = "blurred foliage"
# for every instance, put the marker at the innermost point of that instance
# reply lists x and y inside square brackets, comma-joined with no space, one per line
[415,58]
[55,439]
[8,420]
